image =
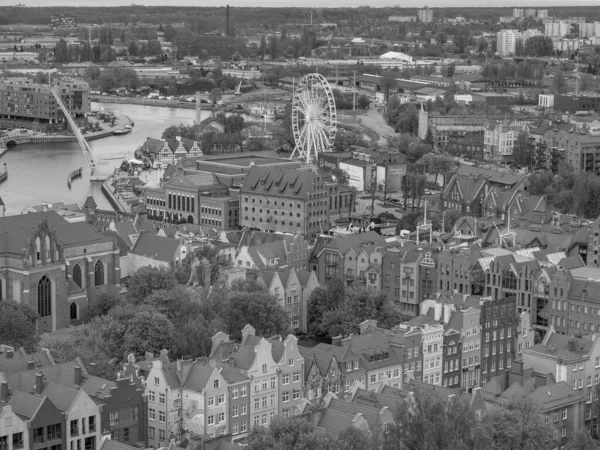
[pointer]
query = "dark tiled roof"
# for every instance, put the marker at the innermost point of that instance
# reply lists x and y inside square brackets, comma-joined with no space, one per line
[198,376]
[123,247]
[335,421]
[279,182]
[109,444]
[375,400]
[24,404]
[555,395]
[18,362]
[61,396]
[156,247]
[344,243]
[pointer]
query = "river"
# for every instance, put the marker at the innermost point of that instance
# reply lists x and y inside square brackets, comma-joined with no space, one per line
[38,172]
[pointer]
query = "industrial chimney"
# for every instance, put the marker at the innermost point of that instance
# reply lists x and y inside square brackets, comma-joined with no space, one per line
[227,29]
[198,109]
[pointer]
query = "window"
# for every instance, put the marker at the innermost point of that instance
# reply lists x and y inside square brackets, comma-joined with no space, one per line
[74,428]
[211,401]
[286,396]
[161,416]
[98,273]
[76,274]
[126,434]
[114,417]
[296,377]
[243,409]
[235,428]
[221,399]
[161,435]
[161,398]
[257,403]
[17,439]
[211,420]
[73,311]
[151,432]
[44,297]
[291,362]
[243,391]
[295,394]
[273,382]
[38,435]
[216,383]
[286,378]
[264,368]
[243,427]
[54,432]
[234,393]
[221,417]
[564,413]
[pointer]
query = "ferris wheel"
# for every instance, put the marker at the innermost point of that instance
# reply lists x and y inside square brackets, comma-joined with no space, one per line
[314,120]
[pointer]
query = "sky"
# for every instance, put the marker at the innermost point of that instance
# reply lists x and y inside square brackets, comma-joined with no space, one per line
[317,3]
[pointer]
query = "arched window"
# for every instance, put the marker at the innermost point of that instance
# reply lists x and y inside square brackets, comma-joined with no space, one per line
[44,295]
[99,273]
[38,249]
[77,275]
[73,309]
[47,249]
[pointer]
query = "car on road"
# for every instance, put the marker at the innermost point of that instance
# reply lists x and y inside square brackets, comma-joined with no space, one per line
[427,192]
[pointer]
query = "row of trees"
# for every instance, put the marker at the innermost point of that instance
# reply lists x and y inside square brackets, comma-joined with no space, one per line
[568,192]
[427,423]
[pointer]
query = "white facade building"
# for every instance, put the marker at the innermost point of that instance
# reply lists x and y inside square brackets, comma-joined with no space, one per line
[507,41]
[556,29]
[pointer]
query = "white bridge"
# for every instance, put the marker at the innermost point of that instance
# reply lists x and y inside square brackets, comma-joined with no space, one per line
[85,147]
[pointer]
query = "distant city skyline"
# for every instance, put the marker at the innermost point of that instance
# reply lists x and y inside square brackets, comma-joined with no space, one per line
[321,3]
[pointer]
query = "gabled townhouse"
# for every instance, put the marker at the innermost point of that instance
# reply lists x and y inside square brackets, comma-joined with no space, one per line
[498,332]
[431,347]
[499,203]
[357,259]
[560,406]
[290,368]
[409,276]
[164,401]
[462,326]
[410,339]
[205,403]
[525,333]
[322,374]
[292,288]
[455,274]
[381,359]
[575,361]
[291,251]
[123,412]
[349,362]
[337,415]
[254,356]
[238,386]
[156,251]
[37,424]
[81,415]
[13,427]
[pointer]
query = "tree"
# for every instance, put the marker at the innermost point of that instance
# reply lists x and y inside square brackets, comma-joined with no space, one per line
[340,175]
[106,299]
[388,83]
[260,309]
[522,149]
[107,81]
[148,331]
[40,78]
[321,300]
[18,325]
[363,101]
[539,46]
[559,83]
[148,279]
[518,424]
[582,440]
[215,95]
[292,433]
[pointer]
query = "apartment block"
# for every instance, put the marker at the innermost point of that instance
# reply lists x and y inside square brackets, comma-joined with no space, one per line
[557,29]
[34,106]
[425,15]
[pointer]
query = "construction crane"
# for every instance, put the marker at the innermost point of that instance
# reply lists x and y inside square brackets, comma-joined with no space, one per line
[239,91]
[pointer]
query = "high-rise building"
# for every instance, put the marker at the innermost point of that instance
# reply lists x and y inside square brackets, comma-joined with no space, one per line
[531,32]
[587,30]
[518,12]
[530,12]
[507,41]
[556,29]
[425,15]
[542,13]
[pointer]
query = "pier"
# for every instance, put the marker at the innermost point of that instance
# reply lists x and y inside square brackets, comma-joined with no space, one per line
[75,174]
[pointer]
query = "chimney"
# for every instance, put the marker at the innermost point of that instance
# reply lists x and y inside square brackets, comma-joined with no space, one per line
[3,391]
[39,383]
[347,343]
[10,352]
[77,377]
[164,354]
[227,25]
[337,340]
[30,365]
